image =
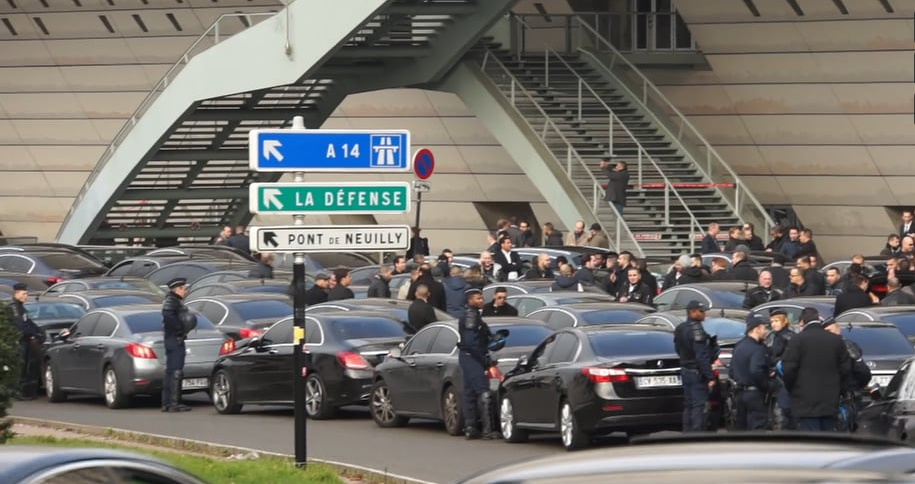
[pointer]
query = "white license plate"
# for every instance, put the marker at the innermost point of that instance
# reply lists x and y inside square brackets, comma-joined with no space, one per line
[194,383]
[882,380]
[658,381]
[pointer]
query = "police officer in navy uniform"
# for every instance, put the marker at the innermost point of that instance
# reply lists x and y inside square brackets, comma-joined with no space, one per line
[750,370]
[31,337]
[177,321]
[777,341]
[695,348]
[474,359]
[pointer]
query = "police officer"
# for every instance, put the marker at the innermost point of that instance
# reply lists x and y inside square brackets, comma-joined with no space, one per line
[694,346]
[777,341]
[750,372]
[855,385]
[474,359]
[177,321]
[31,337]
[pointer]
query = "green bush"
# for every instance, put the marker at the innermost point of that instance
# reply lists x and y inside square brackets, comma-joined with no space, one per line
[9,370]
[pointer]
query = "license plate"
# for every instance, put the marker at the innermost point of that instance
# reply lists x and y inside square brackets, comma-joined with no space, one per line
[658,381]
[881,380]
[194,383]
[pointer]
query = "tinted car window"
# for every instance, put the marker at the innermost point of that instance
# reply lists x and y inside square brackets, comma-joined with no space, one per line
[580,299]
[422,342]
[151,322]
[117,284]
[43,310]
[905,322]
[724,299]
[724,328]
[892,389]
[249,310]
[525,334]
[313,335]
[566,346]
[109,301]
[665,301]
[609,316]
[266,288]
[280,333]
[105,326]
[366,328]
[85,325]
[625,344]
[15,263]
[444,342]
[71,261]
[559,320]
[878,341]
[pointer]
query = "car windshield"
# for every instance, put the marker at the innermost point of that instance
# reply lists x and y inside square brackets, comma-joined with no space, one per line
[622,344]
[904,321]
[603,316]
[70,261]
[366,328]
[726,299]
[877,340]
[40,311]
[151,322]
[724,328]
[250,310]
[109,301]
[525,334]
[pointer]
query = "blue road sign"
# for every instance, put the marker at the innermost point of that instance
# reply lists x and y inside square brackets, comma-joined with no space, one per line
[329,150]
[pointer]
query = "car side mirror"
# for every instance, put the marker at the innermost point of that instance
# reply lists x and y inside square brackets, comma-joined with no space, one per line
[523,361]
[64,335]
[397,352]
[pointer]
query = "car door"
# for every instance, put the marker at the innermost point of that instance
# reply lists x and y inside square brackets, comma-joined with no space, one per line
[275,360]
[432,370]
[94,350]
[72,365]
[404,381]
[547,382]
[521,383]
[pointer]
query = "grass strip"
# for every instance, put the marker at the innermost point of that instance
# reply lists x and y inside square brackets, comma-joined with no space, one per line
[259,470]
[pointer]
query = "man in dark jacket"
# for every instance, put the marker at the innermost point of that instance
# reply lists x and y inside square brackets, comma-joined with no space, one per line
[541,269]
[455,299]
[174,314]
[436,289]
[617,183]
[895,295]
[813,279]
[741,270]
[527,235]
[264,267]
[834,284]
[379,286]
[317,293]
[796,286]
[499,305]
[710,241]
[815,366]
[240,240]
[551,236]
[635,290]
[565,281]
[855,297]
[695,272]
[856,384]
[418,245]
[31,337]
[420,312]
[341,290]
[751,239]
[762,293]
[780,278]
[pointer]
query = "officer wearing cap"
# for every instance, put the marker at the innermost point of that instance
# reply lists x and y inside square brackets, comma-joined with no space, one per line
[777,341]
[474,360]
[30,338]
[175,322]
[750,372]
[695,348]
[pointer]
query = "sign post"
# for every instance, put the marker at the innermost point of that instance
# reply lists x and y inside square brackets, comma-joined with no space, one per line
[423,166]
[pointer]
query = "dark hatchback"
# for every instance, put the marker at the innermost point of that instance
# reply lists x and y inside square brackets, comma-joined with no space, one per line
[903,317]
[423,380]
[595,380]
[892,414]
[342,350]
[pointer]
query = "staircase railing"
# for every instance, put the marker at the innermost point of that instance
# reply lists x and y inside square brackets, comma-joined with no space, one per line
[573,162]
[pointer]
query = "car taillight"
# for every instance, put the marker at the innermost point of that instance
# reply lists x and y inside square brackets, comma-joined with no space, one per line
[249,333]
[139,351]
[493,373]
[352,361]
[54,280]
[878,288]
[606,375]
[227,347]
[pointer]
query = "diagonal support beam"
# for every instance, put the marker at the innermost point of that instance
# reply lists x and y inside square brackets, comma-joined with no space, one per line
[186,194]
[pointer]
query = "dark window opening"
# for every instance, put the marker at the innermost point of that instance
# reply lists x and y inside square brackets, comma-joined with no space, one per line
[106,23]
[796,7]
[887,6]
[841,6]
[174,21]
[492,212]
[752,7]
[111,2]
[44,3]
[77,3]
[140,23]
[244,20]
[542,11]
[9,26]
[12,3]
[41,25]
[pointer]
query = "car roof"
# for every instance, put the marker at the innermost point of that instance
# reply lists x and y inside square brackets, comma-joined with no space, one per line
[18,463]
[620,327]
[368,302]
[886,309]
[718,285]
[601,306]
[96,293]
[711,313]
[351,315]
[804,299]
[248,296]
[497,322]
[131,309]
[564,295]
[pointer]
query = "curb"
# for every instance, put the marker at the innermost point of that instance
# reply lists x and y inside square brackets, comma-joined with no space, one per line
[211,449]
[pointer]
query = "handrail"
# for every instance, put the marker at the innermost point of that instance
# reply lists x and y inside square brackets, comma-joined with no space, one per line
[157,90]
[710,151]
[570,151]
[668,185]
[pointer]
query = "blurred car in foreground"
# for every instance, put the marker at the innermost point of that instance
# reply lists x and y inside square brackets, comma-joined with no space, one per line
[890,415]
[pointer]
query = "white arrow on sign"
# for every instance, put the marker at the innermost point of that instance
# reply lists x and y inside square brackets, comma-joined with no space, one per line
[271,148]
[271,196]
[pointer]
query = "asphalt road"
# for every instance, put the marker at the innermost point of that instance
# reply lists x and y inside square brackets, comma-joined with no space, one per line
[421,450]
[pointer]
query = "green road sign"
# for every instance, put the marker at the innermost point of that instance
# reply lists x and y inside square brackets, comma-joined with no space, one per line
[327,198]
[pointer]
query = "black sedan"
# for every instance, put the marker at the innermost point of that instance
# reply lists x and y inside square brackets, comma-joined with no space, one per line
[589,314]
[890,415]
[528,303]
[884,347]
[105,283]
[98,298]
[793,307]
[423,380]
[193,269]
[53,265]
[54,315]
[243,315]
[141,266]
[36,283]
[394,307]
[595,380]
[118,353]
[728,295]
[247,286]
[341,351]
[903,317]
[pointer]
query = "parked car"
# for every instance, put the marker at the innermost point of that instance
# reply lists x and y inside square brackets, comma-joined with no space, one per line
[36,283]
[104,283]
[394,307]
[141,266]
[423,379]
[589,314]
[53,265]
[725,294]
[219,252]
[825,305]
[118,353]
[884,347]
[243,315]
[903,317]
[890,414]
[54,315]
[595,380]
[342,349]
[99,298]
[194,269]
[246,286]
[528,303]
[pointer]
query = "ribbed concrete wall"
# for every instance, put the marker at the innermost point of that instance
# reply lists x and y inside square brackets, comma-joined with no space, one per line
[814,111]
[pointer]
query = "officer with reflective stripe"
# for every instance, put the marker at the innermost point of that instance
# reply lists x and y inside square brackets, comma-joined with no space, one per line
[750,372]
[777,341]
[694,346]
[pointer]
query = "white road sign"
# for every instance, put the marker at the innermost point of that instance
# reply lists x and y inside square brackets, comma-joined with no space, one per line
[330,238]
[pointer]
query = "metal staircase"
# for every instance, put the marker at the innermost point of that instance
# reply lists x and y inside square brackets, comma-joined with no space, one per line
[178,170]
[582,115]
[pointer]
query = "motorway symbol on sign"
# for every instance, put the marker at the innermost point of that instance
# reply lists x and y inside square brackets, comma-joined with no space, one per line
[420,186]
[329,198]
[423,164]
[330,238]
[329,150]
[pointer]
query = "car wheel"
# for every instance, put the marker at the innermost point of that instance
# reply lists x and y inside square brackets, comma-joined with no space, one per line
[316,404]
[451,412]
[507,421]
[222,393]
[572,436]
[111,386]
[383,412]
[52,385]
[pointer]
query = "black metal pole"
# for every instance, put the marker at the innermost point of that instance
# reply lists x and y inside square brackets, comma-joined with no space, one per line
[419,204]
[298,315]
